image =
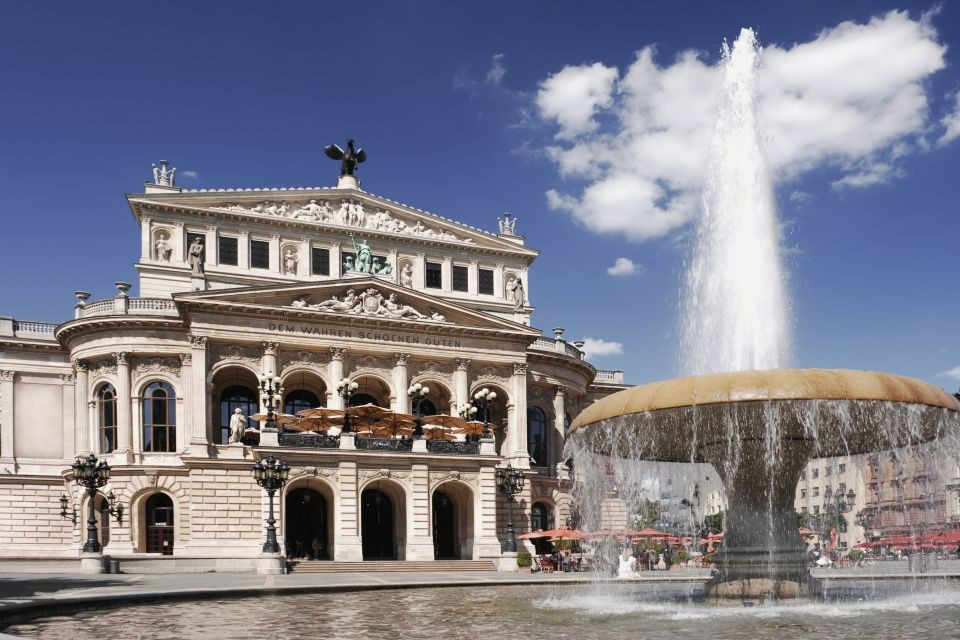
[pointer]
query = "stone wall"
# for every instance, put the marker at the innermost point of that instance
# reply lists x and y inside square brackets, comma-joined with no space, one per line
[30,522]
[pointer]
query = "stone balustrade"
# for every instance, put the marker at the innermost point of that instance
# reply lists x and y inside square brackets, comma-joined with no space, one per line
[612,377]
[557,346]
[123,305]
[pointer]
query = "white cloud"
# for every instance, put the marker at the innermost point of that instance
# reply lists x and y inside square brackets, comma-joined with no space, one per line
[187,173]
[623,267]
[800,197]
[854,98]
[950,373]
[497,70]
[595,347]
[951,123]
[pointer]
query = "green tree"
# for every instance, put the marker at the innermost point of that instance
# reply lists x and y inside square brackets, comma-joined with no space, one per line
[646,513]
[714,522]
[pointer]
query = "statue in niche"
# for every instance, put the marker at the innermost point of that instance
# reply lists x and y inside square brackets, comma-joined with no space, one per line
[163,248]
[381,269]
[515,293]
[163,176]
[406,275]
[348,263]
[507,225]
[195,256]
[349,159]
[394,309]
[336,304]
[290,261]
[238,424]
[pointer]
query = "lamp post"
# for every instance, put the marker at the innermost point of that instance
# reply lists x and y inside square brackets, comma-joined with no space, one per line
[271,474]
[269,388]
[345,388]
[510,483]
[417,394]
[481,405]
[90,474]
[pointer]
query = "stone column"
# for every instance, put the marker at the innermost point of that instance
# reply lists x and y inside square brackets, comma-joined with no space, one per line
[335,401]
[306,257]
[446,274]
[275,253]
[178,241]
[6,418]
[347,544]
[243,250]
[123,452]
[197,411]
[210,243]
[498,282]
[68,403]
[268,363]
[473,277]
[336,260]
[146,244]
[419,271]
[401,382]
[419,535]
[518,436]
[81,418]
[392,258]
[461,383]
[556,449]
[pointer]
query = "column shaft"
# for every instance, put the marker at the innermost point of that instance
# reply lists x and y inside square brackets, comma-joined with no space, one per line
[124,407]
[401,382]
[82,442]
[336,374]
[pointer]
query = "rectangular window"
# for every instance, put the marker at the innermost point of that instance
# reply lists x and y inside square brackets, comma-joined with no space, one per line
[828,492]
[815,473]
[803,474]
[259,254]
[816,509]
[459,278]
[227,250]
[803,509]
[203,241]
[828,471]
[485,284]
[816,492]
[320,261]
[434,279]
[843,468]
[803,493]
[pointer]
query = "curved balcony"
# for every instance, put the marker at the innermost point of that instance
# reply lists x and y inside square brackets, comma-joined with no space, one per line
[557,346]
[123,305]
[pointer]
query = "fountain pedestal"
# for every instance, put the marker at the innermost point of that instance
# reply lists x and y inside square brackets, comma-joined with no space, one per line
[763,556]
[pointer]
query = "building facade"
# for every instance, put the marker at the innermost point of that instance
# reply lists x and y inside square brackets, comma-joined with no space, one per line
[314,285]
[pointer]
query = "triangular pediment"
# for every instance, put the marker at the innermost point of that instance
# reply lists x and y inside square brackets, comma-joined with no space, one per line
[331,210]
[350,300]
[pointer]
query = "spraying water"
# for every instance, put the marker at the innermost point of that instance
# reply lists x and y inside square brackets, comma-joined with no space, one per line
[735,309]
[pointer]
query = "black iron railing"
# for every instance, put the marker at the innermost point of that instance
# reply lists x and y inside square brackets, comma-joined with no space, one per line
[456,448]
[384,444]
[309,441]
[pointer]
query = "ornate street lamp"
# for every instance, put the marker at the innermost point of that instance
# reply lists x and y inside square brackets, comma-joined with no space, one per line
[835,508]
[510,483]
[92,474]
[481,405]
[270,392]
[417,394]
[345,388]
[271,474]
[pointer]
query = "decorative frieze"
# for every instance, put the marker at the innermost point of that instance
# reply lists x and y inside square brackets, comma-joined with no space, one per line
[236,353]
[160,364]
[367,475]
[438,477]
[369,302]
[102,368]
[370,363]
[331,474]
[434,369]
[302,358]
[346,213]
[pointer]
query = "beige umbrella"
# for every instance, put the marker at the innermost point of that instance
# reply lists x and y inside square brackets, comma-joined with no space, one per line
[386,424]
[446,422]
[437,434]
[317,425]
[279,418]
[321,412]
[363,410]
[472,428]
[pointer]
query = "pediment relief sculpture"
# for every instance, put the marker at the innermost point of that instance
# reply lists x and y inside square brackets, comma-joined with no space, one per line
[346,213]
[369,302]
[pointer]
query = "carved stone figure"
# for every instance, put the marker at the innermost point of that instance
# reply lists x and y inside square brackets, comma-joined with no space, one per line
[163,248]
[300,303]
[364,255]
[290,261]
[393,309]
[162,175]
[406,275]
[311,211]
[336,304]
[238,424]
[195,256]
[349,159]
[515,293]
[507,225]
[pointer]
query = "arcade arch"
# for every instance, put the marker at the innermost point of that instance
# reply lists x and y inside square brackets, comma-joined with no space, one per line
[383,520]
[452,521]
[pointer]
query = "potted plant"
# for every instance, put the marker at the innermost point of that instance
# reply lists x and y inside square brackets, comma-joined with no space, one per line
[524,561]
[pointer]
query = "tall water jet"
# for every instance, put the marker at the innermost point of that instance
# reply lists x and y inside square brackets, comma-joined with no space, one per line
[755,422]
[735,309]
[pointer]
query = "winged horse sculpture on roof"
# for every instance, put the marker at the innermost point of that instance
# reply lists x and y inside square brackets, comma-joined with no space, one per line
[349,159]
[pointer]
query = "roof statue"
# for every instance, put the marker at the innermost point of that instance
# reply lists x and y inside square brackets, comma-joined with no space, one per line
[508,226]
[349,159]
[162,175]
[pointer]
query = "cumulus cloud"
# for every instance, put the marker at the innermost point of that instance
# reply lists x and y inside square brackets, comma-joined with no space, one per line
[853,98]
[623,267]
[951,123]
[595,347]
[497,70]
[950,373]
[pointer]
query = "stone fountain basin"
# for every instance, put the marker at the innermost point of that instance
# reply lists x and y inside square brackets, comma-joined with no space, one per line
[833,411]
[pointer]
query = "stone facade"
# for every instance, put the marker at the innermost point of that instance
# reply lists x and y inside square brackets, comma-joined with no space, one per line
[149,383]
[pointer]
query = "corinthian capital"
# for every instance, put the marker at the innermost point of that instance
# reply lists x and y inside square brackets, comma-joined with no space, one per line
[120,357]
[463,364]
[337,353]
[198,342]
[519,368]
[270,348]
[400,359]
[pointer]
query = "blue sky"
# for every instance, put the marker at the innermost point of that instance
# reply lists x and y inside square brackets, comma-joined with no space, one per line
[472,109]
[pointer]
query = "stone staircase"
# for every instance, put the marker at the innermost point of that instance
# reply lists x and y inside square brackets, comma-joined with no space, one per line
[373,566]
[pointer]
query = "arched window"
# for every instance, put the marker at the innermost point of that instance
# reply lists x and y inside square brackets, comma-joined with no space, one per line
[540,517]
[232,398]
[425,408]
[159,417]
[107,417]
[537,436]
[359,399]
[300,400]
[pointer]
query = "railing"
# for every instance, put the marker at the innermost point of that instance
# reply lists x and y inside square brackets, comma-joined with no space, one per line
[309,441]
[557,346]
[456,448]
[27,329]
[614,377]
[384,444]
[129,306]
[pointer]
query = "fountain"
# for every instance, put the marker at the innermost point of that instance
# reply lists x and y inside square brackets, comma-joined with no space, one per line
[755,421]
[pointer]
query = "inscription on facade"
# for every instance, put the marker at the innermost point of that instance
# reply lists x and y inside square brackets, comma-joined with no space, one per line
[386,337]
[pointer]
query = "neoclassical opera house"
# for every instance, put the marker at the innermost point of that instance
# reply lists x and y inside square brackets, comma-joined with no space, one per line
[314,285]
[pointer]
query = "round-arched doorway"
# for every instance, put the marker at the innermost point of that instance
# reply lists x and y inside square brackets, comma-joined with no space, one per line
[445,545]
[377,525]
[305,530]
[159,513]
